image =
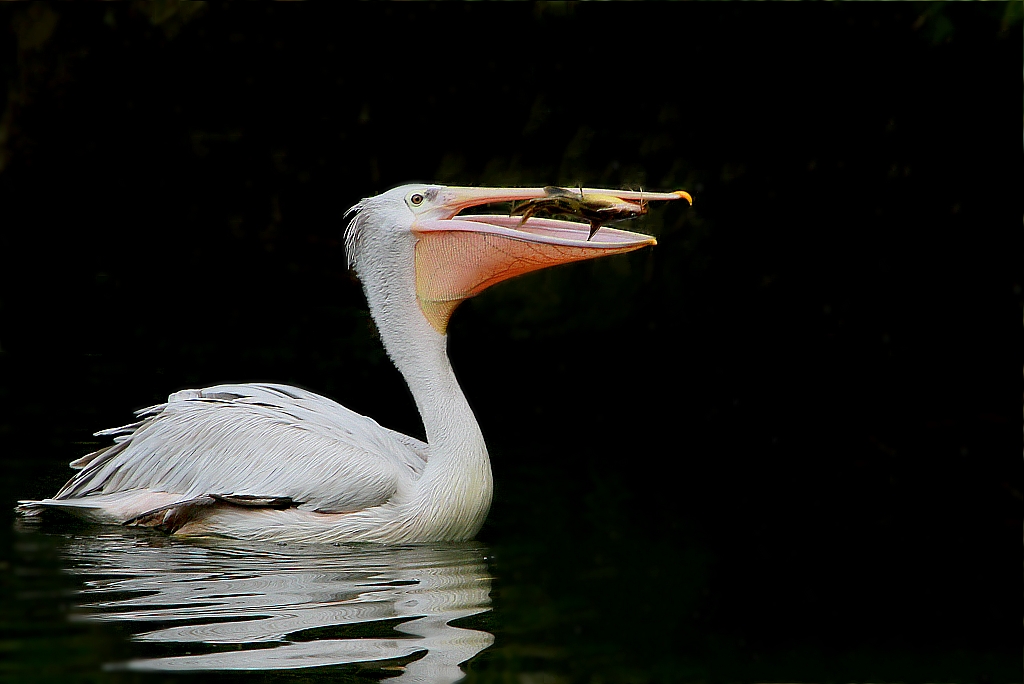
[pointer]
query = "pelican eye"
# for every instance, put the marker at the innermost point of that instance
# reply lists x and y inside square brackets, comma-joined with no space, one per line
[416,199]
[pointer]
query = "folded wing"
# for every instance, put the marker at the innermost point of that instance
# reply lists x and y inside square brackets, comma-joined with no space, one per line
[249,443]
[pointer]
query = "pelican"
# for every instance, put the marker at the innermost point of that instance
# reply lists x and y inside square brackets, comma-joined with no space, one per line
[277,463]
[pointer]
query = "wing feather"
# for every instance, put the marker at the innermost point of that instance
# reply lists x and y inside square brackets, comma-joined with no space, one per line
[253,441]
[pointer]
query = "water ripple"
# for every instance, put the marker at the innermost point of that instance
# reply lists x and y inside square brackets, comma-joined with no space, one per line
[296,606]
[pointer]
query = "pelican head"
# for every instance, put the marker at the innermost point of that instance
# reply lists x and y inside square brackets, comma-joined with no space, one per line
[412,241]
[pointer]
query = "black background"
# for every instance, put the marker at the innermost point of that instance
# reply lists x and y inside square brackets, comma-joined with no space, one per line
[813,379]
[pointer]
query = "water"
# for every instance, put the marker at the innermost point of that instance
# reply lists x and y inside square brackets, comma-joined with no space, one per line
[220,605]
[108,605]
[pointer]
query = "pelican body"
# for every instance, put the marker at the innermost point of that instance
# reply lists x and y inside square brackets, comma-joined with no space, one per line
[278,463]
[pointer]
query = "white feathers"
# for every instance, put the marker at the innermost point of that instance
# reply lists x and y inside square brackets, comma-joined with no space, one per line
[264,441]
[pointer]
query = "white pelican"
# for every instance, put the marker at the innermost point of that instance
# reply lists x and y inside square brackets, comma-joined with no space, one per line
[271,462]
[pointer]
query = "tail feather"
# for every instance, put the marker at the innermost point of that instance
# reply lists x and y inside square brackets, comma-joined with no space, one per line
[109,509]
[29,508]
[81,508]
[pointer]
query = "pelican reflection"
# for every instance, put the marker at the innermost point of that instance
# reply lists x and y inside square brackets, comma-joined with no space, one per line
[287,606]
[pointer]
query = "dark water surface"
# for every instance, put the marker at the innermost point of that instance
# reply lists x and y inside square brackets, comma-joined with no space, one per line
[153,604]
[102,604]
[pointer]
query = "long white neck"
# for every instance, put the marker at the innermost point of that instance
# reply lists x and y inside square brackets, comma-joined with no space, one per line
[454,491]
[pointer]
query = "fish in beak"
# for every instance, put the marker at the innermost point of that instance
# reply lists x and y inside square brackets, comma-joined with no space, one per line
[596,208]
[458,256]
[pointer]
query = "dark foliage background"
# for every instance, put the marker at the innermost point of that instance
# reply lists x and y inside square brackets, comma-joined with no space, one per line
[807,396]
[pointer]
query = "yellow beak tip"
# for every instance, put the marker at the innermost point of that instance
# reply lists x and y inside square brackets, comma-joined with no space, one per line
[685,195]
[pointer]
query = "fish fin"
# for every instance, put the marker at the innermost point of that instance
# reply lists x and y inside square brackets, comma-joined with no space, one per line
[555,191]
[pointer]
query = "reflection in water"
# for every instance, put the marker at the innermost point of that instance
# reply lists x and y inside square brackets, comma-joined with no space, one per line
[287,606]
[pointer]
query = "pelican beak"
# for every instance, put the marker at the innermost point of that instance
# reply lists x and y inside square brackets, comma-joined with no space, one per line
[458,256]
